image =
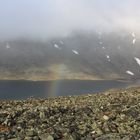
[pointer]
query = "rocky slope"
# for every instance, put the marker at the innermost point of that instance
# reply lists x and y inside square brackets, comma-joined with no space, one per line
[113,115]
[81,55]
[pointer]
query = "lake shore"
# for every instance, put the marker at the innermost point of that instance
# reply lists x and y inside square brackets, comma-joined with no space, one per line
[111,115]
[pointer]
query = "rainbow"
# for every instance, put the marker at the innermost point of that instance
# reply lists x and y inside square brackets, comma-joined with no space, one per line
[58,74]
[54,88]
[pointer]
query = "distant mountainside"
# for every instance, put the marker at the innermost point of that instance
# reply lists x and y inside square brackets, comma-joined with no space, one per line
[81,55]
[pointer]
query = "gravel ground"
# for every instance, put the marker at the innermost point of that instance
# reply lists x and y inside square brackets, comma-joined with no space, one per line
[112,115]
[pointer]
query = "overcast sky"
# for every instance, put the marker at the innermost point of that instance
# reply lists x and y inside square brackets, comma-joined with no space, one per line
[46,18]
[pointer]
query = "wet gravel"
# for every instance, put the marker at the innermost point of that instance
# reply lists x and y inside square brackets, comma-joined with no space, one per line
[112,115]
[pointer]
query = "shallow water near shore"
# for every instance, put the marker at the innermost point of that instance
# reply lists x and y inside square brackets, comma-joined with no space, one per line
[43,89]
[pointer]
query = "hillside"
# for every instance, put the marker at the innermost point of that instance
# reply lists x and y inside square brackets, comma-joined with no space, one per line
[81,55]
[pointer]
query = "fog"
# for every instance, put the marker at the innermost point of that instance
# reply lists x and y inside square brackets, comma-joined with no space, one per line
[51,18]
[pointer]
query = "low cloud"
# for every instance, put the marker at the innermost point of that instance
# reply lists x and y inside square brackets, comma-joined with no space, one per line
[49,18]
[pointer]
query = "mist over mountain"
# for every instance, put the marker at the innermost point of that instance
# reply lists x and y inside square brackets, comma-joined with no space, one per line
[81,55]
[52,18]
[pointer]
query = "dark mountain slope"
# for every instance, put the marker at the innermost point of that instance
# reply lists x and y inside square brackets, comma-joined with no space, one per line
[81,55]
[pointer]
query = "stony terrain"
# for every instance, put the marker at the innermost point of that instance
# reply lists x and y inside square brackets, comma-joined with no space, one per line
[113,115]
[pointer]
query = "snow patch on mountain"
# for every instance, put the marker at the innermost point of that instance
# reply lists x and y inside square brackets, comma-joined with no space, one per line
[129,72]
[75,52]
[56,46]
[137,60]
[108,57]
[133,34]
[134,41]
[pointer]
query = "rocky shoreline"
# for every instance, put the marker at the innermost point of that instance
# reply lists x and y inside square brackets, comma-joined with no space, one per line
[112,115]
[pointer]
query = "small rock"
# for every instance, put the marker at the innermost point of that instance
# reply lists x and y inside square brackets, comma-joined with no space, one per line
[42,115]
[93,132]
[14,139]
[36,138]
[105,117]
[28,138]
[89,138]
[49,138]
[43,136]
[68,137]
[99,131]
[31,133]
[108,137]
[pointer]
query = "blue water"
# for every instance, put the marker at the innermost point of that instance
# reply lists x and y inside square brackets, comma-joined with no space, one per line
[43,89]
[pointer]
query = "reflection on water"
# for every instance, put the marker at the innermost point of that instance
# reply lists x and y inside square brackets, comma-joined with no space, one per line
[26,89]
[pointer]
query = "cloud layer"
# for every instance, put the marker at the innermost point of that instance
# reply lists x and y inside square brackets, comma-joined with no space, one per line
[48,18]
